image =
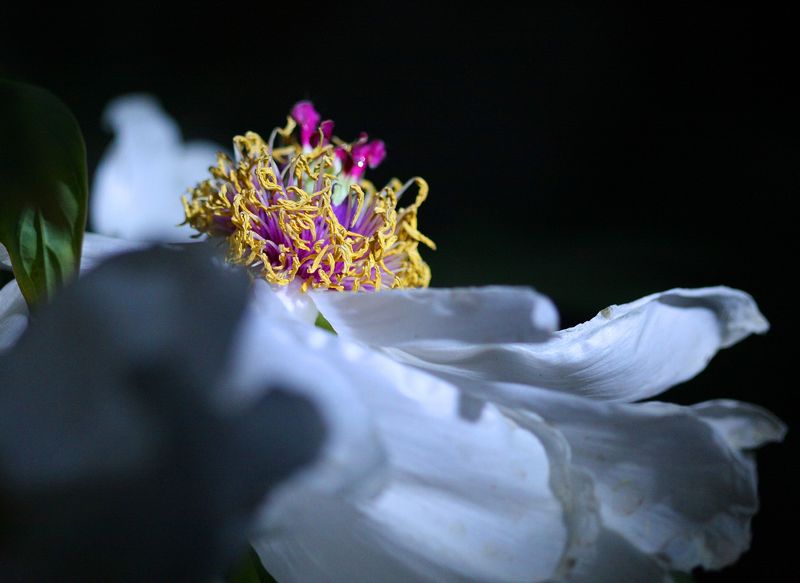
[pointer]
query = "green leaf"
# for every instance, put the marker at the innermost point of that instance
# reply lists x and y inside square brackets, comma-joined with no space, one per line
[43,188]
[250,570]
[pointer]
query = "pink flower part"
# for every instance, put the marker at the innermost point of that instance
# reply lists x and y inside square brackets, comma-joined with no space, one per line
[307,118]
[376,152]
[361,155]
[327,131]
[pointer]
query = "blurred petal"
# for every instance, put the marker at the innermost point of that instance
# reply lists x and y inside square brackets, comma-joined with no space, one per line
[669,478]
[408,317]
[139,182]
[625,353]
[13,314]
[460,501]
[118,432]
[296,303]
[96,249]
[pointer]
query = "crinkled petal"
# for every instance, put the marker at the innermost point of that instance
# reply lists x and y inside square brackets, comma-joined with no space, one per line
[13,314]
[672,480]
[626,353]
[406,317]
[743,425]
[139,182]
[462,501]
[595,554]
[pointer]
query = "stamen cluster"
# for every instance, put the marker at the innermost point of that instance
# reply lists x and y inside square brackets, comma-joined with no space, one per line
[303,211]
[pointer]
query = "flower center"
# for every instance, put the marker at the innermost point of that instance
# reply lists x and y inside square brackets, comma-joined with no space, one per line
[304,211]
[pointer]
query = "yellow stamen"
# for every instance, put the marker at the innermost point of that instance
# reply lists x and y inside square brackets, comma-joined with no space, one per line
[244,200]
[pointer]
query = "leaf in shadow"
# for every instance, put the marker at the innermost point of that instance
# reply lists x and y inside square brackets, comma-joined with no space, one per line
[43,188]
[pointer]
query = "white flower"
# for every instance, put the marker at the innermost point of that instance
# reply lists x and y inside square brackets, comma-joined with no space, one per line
[472,441]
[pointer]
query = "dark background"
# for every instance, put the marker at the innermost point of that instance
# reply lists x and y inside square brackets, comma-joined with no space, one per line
[596,153]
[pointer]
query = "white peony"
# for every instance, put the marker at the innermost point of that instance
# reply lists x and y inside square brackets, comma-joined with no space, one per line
[470,439]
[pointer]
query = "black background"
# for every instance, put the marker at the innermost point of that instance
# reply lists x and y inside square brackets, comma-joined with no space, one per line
[596,153]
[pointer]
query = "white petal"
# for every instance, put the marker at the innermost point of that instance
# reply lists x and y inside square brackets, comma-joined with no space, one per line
[595,553]
[96,248]
[275,351]
[14,310]
[614,559]
[743,425]
[670,479]
[13,315]
[139,182]
[478,315]
[626,353]
[462,501]
[297,303]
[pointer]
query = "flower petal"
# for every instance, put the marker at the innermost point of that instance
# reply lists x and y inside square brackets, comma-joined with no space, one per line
[14,310]
[408,316]
[114,404]
[613,559]
[595,554]
[463,501]
[96,249]
[273,345]
[625,353]
[743,425]
[139,182]
[685,491]
[13,314]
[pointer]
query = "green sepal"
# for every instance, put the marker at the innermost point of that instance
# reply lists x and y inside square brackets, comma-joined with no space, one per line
[322,322]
